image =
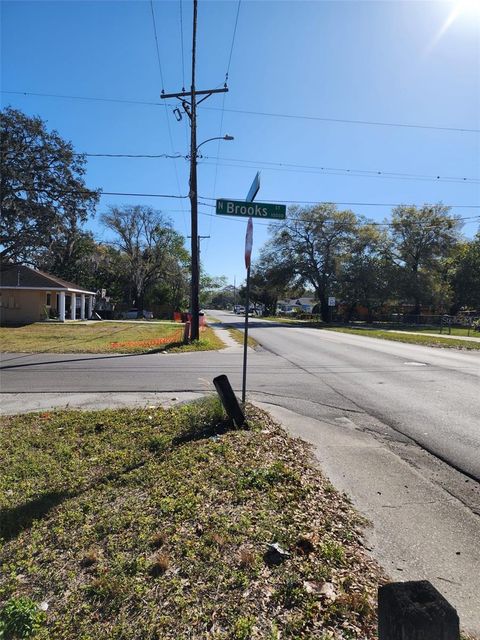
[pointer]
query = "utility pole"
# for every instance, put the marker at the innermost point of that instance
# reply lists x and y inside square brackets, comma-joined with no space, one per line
[190,108]
[199,238]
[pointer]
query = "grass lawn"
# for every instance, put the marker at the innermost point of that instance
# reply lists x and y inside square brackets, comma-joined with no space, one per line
[155,524]
[429,341]
[99,337]
[291,320]
[235,333]
[455,331]
[238,336]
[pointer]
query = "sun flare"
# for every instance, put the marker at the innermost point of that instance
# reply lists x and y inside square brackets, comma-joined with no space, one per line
[469,9]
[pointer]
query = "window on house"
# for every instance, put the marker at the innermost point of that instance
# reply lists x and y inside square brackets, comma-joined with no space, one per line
[49,299]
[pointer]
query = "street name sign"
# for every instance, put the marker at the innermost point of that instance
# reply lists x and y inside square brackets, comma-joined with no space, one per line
[255,210]
[254,188]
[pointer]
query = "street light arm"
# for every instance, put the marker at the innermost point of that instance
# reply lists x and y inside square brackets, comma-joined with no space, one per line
[225,137]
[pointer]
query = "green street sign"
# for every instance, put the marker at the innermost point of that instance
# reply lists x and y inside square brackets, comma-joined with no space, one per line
[251,209]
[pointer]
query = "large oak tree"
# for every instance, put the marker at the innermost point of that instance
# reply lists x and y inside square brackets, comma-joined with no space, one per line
[43,196]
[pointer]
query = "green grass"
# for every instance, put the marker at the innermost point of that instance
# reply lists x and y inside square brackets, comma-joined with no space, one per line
[455,331]
[293,320]
[154,524]
[209,341]
[238,336]
[86,337]
[235,333]
[100,337]
[429,341]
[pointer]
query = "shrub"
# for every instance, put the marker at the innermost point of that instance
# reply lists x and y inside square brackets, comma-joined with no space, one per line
[20,618]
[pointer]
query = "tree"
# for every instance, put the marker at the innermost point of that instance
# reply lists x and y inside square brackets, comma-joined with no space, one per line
[368,274]
[422,238]
[270,279]
[313,242]
[464,275]
[153,250]
[43,196]
[209,287]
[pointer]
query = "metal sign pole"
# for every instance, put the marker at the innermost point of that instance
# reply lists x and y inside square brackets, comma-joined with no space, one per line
[245,338]
[248,257]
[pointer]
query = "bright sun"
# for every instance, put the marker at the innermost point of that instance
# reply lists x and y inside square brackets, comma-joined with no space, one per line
[462,8]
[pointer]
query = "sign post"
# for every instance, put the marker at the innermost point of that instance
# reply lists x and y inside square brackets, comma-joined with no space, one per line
[248,256]
[331,304]
[248,209]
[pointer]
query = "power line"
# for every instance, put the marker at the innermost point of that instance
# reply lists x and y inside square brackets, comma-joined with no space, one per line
[256,113]
[86,98]
[347,121]
[294,168]
[233,41]
[358,204]
[223,113]
[300,219]
[131,155]
[166,109]
[156,44]
[314,202]
[181,41]
[365,173]
[105,193]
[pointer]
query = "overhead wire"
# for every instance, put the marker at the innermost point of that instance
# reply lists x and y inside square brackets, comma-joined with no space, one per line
[207,204]
[181,45]
[166,108]
[359,204]
[374,173]
[214,191]
[233,40]
[156,44]
[256,113]
[362,173]
[347,121]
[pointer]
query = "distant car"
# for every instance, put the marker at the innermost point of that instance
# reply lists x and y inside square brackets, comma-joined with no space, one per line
[134,314]
[238,309]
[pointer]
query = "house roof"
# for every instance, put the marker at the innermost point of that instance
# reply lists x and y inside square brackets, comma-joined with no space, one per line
[298,301]
[19,276]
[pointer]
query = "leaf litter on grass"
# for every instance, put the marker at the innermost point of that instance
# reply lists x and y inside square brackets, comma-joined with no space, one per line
[161,525]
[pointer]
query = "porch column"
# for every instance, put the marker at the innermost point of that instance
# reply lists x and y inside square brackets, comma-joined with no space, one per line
[61,306]
[82,306]
[90,307]
[73,306]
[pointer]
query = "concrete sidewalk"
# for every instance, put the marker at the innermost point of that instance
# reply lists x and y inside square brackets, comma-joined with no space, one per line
[419,530]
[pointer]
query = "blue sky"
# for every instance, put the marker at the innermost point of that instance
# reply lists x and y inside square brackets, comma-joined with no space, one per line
[370,61]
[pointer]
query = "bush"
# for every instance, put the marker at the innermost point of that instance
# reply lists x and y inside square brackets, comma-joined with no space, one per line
[20,618]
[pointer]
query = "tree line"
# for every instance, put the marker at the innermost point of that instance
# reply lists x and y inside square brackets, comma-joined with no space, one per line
[45,205]
[418,260]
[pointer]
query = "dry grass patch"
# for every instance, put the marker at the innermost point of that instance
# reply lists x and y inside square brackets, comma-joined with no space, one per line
[168,525]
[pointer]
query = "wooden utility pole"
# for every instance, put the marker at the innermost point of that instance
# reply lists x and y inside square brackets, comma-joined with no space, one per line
[190,108]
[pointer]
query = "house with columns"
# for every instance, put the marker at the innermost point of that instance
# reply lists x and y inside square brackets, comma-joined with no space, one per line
[29,295]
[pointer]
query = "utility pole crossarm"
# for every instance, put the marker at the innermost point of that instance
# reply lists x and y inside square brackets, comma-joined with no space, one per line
[185,94]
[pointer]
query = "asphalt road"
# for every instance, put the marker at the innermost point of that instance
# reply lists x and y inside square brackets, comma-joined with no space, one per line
[396,426]
[430,395]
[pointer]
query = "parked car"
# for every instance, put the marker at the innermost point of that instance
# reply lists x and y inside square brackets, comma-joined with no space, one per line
[238,309]
[134,314]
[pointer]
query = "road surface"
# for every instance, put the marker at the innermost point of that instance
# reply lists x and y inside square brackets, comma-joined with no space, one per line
[396,426]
